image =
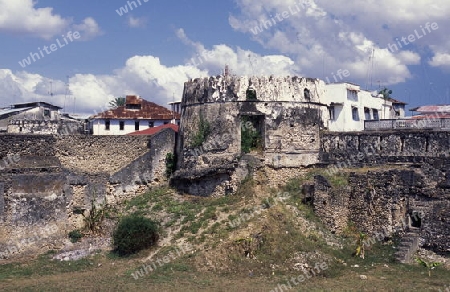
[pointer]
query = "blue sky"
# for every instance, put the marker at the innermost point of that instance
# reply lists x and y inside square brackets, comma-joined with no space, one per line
[147,50]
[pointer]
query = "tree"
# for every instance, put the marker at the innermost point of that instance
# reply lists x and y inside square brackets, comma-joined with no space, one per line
[116,102]
[386,95]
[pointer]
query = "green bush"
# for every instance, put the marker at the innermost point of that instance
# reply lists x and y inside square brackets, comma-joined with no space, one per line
[135,233]
[75,235]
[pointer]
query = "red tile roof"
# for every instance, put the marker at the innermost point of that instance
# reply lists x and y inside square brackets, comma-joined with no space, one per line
[154,130]
[148,110]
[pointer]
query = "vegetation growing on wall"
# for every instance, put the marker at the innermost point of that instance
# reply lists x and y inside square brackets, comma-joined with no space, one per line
[93,220]
[251,138]
[170,164]
[204,129]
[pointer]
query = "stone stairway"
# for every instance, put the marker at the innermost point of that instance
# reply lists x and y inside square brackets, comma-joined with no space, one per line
[408,246]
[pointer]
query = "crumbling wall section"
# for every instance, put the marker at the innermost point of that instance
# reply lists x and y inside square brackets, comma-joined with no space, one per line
[47,180]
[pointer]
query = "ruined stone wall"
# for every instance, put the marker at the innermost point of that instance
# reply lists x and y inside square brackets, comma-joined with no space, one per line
[385,201]
[288,114]
[411,176]
[45,127]
[45,179]
[99,154]
[359,148]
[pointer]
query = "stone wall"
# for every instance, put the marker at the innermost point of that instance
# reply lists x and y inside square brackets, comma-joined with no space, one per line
[47,179]
[408,174]
[45,127]
[359,148]
[288,115]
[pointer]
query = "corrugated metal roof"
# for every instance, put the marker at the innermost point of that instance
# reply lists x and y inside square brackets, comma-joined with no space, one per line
[432,109]
[13,110]
[148,110]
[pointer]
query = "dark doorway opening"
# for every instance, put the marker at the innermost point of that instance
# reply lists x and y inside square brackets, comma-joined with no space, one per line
[416,220]
[252,133]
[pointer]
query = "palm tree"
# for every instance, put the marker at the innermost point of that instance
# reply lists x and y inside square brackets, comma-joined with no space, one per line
[386,95]
[116,102]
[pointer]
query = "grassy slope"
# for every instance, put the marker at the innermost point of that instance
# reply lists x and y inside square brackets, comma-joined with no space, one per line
[260,252]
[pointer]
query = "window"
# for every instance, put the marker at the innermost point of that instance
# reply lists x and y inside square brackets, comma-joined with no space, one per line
[46,113]
[136,125]
[133,106]
[352,95]
[151,124]
[375,114]
[121,125]
[250,94]
[366,114]
[331,112]
[355,114]
[165,123]
[107,125]
[307,94]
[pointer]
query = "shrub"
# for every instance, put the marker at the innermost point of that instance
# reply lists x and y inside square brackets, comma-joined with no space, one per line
[75,235]
[135,233]
[93,221]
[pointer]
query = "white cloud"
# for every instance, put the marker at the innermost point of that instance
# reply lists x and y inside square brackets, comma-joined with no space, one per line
[323,36]
[440,60]
[141,75]
[88,29]
[136,22]
[21,17]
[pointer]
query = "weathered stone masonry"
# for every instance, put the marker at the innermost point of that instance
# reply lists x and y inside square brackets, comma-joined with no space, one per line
[288,114]
[413,178]
[55,175]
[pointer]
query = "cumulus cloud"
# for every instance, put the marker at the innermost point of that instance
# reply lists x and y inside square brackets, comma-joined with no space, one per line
[21,17]
[141,75]
[323,36]
[240,61]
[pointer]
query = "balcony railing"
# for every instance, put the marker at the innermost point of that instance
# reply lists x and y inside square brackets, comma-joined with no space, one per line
[407,124]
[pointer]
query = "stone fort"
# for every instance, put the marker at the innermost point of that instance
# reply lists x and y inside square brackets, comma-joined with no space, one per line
[279,121]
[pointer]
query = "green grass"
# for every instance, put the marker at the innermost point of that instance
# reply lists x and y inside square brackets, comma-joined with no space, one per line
[44,265]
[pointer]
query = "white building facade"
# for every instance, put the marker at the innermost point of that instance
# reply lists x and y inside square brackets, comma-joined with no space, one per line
[349,106]
[136,115]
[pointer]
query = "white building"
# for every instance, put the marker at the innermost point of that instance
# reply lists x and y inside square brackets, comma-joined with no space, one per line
[137,114]
[349,106]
